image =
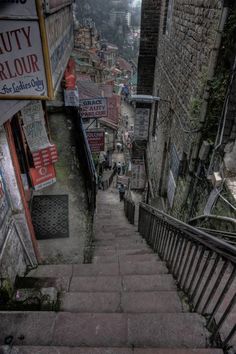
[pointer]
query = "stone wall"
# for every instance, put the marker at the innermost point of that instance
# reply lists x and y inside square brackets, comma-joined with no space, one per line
[186,57]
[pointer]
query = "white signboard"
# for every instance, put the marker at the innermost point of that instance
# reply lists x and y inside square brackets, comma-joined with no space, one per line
[141,123]
[138,178]
[22,72]
[93,108]
[171,189]
[19,9]
[71,98]
[34,127]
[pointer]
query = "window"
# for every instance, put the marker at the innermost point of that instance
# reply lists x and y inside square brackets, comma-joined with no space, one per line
[168,16]
[155,119]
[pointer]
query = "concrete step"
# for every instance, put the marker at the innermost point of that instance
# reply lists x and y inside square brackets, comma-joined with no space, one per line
[83,350]
[130,302]
[124,244]
[179,330]
[95,269]
[122,283]
[123,258]
[163,282]
[52,270]
[141,268]
[96,284]
[112,252]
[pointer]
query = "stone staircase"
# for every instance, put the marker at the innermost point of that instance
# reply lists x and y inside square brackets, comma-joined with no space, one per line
[123,303]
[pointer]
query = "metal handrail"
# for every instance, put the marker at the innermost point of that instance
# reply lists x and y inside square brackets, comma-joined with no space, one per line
[129,208]
[203,266]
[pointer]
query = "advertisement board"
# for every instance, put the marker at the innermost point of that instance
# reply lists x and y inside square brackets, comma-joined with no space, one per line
[71,98]
[34,126]
[42,177]
[96,139]
[24,61]
[93,108]
[141,123]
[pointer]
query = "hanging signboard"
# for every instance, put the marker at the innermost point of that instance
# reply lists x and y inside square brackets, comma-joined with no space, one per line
[34,126]
[93,108]
[141,123]
[42,177]
[24,62]
[22,8]
[96,140]
[71,98]
[138,177]
[59,28]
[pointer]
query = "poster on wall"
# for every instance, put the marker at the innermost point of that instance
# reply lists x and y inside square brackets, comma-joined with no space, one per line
[24,63]
[141,123]
[34,126]
[42,177]
[71,98]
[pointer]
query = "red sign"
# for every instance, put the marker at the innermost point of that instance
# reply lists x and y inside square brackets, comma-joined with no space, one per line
[45,157]
[96,140]
[42,177]
[70,75]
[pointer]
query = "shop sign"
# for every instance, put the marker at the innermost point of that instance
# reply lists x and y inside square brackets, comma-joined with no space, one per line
[24,63]
[22,8]
[171,189]
[93,108]
[42,177]
[45,157]
[141,123]
[71,98]
[96,140]
[55,5]
[34,126]
[138,177]
[59,28]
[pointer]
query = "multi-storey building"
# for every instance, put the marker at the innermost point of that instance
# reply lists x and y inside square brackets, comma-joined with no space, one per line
[187,58]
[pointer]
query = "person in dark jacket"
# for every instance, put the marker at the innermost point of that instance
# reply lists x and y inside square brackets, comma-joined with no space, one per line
[121,191]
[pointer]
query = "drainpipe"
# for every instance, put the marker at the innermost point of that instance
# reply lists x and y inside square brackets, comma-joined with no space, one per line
[210,75]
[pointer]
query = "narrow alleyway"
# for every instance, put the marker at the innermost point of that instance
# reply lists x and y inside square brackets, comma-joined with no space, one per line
[125,302]
[70,182]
